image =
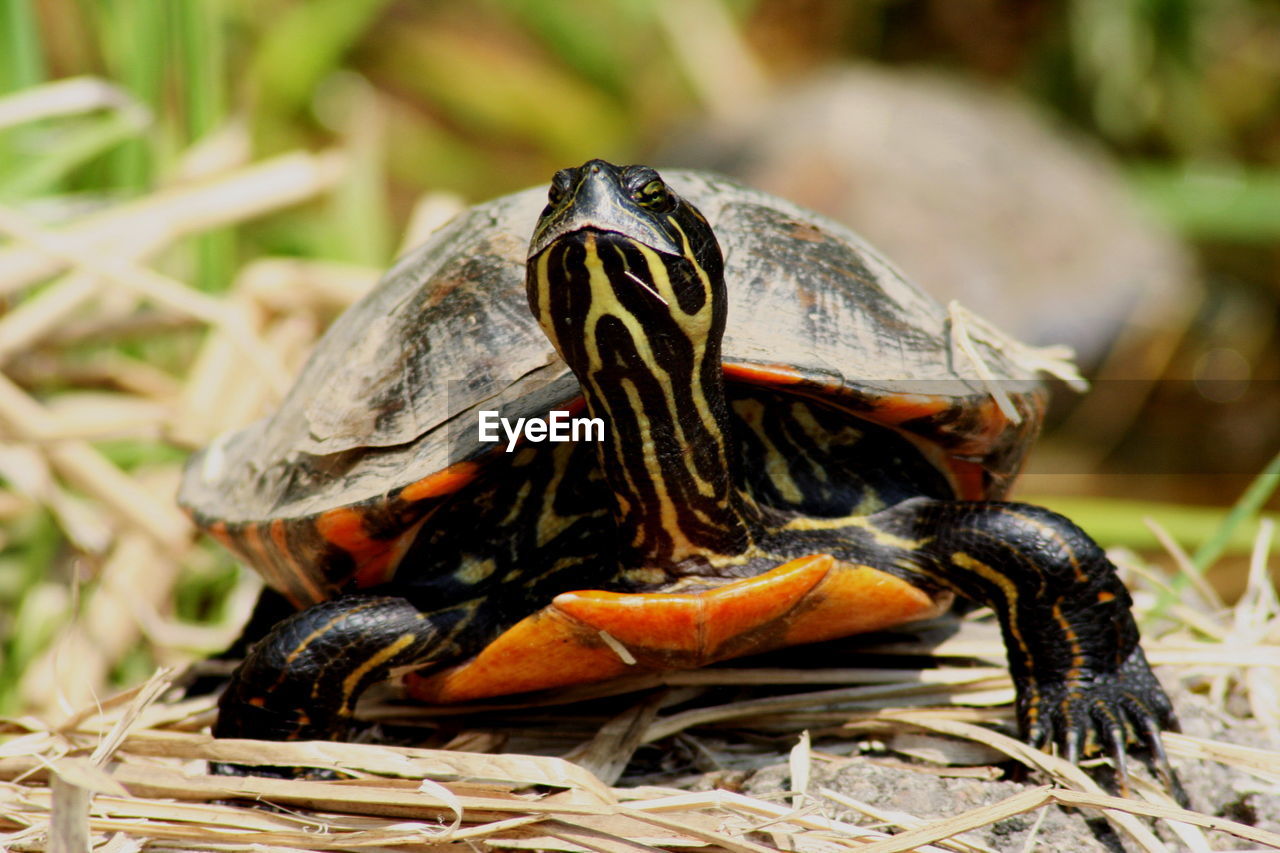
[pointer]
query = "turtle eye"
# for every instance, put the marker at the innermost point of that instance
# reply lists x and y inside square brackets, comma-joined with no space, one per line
[559,186]
[653,195]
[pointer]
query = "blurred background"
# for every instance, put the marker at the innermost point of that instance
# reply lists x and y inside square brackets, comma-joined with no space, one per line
[190,190]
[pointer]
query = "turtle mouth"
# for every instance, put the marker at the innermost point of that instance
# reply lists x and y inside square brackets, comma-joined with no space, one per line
[572,228]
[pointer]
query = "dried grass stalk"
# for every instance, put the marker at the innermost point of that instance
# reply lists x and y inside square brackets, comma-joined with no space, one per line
[83,466]
[40,315]
[137,576]
[150,224]
[71,96]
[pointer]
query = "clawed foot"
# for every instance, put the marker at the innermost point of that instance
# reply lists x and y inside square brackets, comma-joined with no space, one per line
[1103,712]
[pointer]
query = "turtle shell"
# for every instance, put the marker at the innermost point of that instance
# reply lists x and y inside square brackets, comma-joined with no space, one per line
[383,416]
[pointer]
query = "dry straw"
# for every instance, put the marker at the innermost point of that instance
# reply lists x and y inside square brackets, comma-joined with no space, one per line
[127,768]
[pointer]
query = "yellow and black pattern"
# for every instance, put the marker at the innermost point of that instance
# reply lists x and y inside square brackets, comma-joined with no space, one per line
[645,328]
[1071,639]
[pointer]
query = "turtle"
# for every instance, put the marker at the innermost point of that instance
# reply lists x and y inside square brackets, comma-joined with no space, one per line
[781,444]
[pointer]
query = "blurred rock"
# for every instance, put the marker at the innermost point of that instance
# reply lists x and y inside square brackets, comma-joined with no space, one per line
[973,193]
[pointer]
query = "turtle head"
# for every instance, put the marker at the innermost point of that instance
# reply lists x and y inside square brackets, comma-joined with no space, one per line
[629,200]
[626,279]
[624,272]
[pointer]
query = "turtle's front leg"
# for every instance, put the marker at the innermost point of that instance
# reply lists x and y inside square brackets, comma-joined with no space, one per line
[1073,645]
[302,680]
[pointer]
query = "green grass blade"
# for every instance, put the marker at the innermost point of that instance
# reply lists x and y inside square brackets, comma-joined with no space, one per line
[201,59]
[592,38]
[21,64]
[1248,507]
[42,175]
[133,37]
[199,35]
[305,45]
[21,57]
[1229,534]
[1240,205]
[1117,522]
[361,227]
[29,617]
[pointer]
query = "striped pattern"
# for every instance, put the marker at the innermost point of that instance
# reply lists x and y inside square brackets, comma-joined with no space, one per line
[641,331]
[310,559]
[1065,614]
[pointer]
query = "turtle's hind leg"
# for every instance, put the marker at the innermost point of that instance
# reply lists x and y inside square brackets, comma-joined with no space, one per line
[209,675]
[302,680]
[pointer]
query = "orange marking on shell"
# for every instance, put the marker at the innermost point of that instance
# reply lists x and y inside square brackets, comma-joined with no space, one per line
[382,567]
[299,583]
[279,537]
[993,424]
[255,551]
[218,530]
[376,570]
[274,562]
[444,482]
[804,600]
[344,527]
[763,374]
[970,479]
[900,408]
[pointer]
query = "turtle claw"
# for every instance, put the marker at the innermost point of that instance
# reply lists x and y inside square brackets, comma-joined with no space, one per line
[1151,730]
[1038,735]
[1115,746]
[1070,741]
[1105,712]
